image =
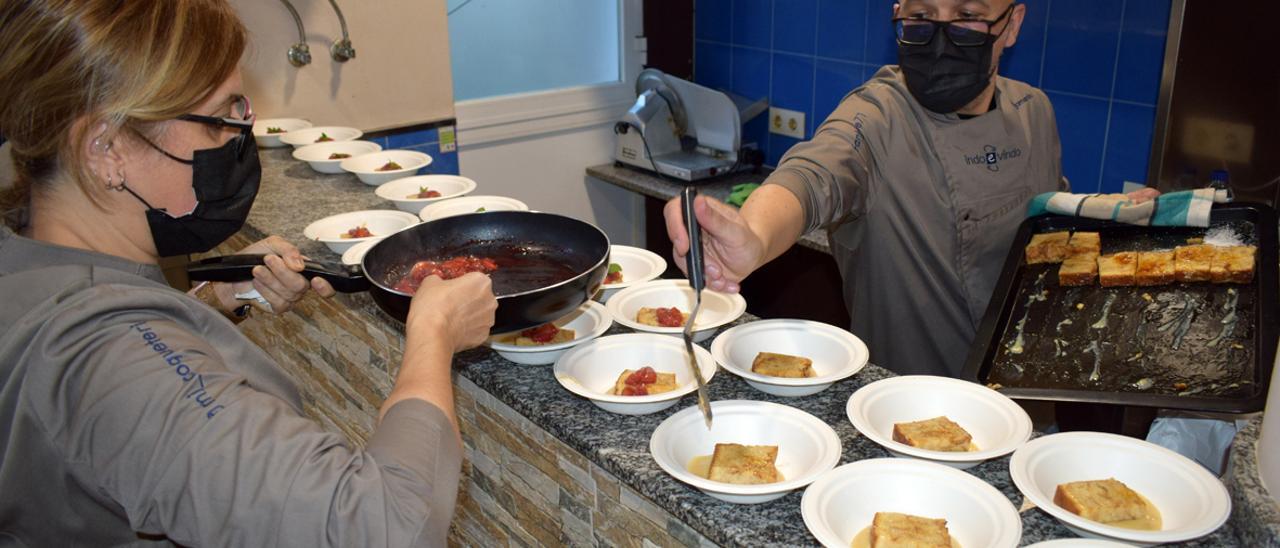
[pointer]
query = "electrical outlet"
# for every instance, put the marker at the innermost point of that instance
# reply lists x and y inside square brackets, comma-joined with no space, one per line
[786,122]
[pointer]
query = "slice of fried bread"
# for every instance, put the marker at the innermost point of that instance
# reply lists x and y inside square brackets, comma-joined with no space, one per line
[744,464]
[1117,269]
[1155,268]
[894,530]
[782,365]
[936,434]
[563,335]
[1087,244]
[1191,263]
[1104,501]
[1078,270]
[1233,264]
[1049,247]
[666,382]
[649,316]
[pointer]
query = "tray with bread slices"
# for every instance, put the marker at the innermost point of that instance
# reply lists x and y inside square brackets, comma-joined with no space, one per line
[1087,310]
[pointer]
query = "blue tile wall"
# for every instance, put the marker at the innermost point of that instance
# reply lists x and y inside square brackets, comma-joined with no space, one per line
[1098,60]
[428,141]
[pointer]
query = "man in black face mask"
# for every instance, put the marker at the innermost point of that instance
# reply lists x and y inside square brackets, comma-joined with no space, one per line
[920,176]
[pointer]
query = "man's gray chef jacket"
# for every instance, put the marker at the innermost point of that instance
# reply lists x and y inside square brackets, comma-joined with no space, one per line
[130,412]
[921,210]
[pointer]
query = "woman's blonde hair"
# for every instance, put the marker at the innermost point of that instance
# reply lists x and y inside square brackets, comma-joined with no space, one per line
[71,66]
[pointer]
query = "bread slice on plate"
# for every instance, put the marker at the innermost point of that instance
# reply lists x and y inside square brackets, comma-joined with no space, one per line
[894,530]
[1117,269]
[1191,263]
[1103,501]
[1049,247]
[936,434]
[1155,268]
[744,464]
[782,365]
[1087,244]
[1233,264]
[665,382]
[562,335]
[649,316]
[1078,270]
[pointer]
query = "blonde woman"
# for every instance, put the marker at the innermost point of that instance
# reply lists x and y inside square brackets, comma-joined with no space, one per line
[133,413]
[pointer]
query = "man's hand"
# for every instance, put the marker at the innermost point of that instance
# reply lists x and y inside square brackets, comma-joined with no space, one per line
[1143,195]
[458,312]
[732,250]
[279,281]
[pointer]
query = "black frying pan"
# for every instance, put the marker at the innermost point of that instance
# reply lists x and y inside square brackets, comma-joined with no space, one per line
[548,265]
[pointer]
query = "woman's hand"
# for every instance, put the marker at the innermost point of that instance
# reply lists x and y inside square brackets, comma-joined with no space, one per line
[279,282]
[731,249]
[458,312]
[1143,195]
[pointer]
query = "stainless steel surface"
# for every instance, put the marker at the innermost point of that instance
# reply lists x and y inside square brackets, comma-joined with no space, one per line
[1168,75]
[299,54]
[679,129]
[696,266]
[341,50]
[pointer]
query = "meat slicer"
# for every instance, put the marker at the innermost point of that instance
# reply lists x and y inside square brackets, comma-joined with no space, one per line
[681,129]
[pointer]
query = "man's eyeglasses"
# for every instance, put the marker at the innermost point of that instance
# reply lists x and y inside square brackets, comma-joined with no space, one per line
[241,119]
[913,31]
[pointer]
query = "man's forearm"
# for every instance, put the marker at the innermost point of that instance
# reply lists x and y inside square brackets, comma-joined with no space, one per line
[776,217]
[424,374]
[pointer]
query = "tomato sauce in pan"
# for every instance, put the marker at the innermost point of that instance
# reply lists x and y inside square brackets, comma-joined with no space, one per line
[512,268]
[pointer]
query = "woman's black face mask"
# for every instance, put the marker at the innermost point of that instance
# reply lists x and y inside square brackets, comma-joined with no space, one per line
[225,180]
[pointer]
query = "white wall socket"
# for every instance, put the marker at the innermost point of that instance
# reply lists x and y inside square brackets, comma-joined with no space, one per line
[786,122]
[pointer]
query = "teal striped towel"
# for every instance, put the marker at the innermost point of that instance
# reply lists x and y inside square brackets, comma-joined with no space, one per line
[1185,208]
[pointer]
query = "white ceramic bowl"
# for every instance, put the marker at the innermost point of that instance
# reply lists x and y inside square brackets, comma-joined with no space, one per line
[843,502]
[717,308]
[591,369]
[588,322]
[470,204]
[997,424]
[366,167]
[308,136]
[1079,543]
[317,155]
[1192,502]
[638,266]
[399,190]
[380,222]
[807,447]
[354,254]
[836,353]
[272,140]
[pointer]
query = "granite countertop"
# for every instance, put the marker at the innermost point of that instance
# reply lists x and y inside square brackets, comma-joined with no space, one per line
[653,186]
[293,195]
[1255,514]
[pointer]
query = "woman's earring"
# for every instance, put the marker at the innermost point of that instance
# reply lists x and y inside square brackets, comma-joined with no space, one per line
[120,188]
[111,182]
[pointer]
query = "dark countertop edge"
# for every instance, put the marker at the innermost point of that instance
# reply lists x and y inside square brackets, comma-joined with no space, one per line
[654,187]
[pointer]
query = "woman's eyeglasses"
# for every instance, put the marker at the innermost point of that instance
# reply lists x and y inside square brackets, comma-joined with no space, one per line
[965,33]
[241,119]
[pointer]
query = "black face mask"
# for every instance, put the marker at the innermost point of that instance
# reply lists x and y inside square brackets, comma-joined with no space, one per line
[225,184]
[944,77]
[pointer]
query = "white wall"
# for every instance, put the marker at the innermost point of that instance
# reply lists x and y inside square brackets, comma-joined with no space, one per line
[399,77]
[548,172]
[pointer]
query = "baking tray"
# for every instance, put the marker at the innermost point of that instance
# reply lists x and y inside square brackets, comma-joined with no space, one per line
[1201,347]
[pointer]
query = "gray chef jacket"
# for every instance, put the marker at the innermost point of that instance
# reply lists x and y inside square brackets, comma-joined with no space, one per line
[131,413]
[921,209]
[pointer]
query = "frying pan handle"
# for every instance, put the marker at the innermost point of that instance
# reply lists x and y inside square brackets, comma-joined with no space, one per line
[239,268]
[694,262]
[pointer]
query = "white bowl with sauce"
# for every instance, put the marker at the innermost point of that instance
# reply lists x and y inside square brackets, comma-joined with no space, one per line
[318,155]
[371,168]
[380,222]
[266,139]
[1190,501]
[638,266]
[588,322]
[807,446]
[997,424]
[315,135]
[467,205]
[839,506]
[836,354]
[717,309]
[591,369]
[400,190]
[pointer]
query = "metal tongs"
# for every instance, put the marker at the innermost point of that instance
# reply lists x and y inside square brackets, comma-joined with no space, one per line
[696,266]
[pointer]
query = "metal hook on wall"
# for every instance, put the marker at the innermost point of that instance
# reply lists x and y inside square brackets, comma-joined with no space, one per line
[299,53]
[341,50]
